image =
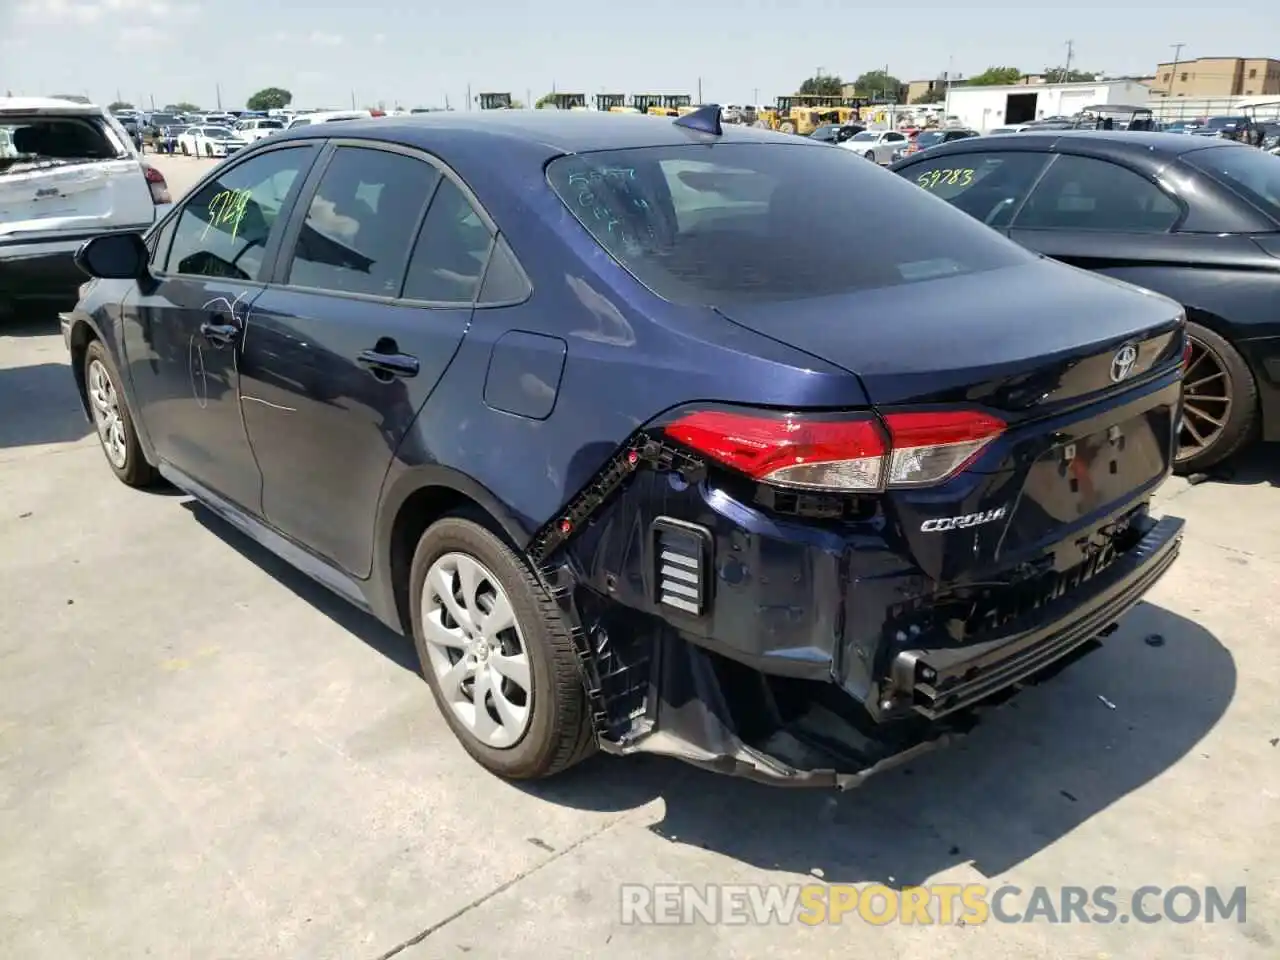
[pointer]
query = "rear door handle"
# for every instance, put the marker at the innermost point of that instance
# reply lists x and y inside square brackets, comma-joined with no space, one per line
[221,334]
[388,364]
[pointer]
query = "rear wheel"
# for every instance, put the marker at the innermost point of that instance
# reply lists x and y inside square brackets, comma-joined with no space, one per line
[185,152]
[1219,402]
[870,155]
[497,653]
[787,127]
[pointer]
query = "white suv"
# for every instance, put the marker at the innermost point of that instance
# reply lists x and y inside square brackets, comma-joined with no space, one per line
[68,172]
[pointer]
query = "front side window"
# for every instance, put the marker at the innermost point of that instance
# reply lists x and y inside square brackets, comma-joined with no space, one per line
[360,222]
[987,186]
[744,222]
[223,230]
[1081,193]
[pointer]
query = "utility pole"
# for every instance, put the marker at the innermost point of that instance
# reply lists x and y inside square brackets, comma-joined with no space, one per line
[1173,74]
[217,92]
[699,90]
[528,98]
[353,98]
[1066,71]
[468,96]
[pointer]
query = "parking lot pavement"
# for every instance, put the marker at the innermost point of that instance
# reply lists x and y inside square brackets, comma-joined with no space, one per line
[203,755]
[181,173]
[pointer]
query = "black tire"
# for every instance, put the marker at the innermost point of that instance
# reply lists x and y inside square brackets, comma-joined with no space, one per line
[185,152]
[559,734]
[1241,422]
[870,155]
[136,471]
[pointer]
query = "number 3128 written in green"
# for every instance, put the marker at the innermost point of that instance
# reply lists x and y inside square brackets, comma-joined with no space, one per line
[937,178]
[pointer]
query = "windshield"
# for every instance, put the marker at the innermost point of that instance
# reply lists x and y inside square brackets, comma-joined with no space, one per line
[863,137]
[40,141]
[929,138]
[1251,173]
[1223,123]
[730,223]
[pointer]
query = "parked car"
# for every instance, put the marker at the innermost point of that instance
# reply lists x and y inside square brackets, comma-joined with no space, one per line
[876,145]
[1195,219]
[209,141]
[255,128]
[68,171]
[1239,128]
[327,116]
[650,477]
[927,139]
[836,132]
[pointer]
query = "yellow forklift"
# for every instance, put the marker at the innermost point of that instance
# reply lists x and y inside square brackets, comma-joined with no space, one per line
[665,105]
[494,101]
[802,113]
[613,103]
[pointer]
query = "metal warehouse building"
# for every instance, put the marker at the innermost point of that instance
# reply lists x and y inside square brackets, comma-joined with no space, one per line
[982,108]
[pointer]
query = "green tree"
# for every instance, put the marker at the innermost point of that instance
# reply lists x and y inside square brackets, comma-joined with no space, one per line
[543,100]
[73,97]
[825,85]
[517,104]
[996,76]
[183,106]
[270,98]
[1062,75]
[115,105]
[936,95]
[877,83]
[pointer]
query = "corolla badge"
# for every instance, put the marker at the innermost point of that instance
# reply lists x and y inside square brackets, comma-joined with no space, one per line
[964,521]
[1124,362]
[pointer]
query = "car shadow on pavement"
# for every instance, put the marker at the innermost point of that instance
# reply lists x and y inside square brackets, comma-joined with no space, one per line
[1031,772]
[396,648]
[1257,465]
[40,406]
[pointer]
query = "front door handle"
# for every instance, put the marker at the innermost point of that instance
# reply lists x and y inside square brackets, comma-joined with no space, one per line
[221,334]
[386,365]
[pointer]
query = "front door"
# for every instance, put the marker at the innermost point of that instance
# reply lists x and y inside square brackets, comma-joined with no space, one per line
[351,339]
[185,326]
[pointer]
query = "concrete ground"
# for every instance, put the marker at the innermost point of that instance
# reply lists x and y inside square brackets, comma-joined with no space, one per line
[203,755]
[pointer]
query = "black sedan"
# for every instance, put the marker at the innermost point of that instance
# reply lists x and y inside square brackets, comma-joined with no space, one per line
[1194,218]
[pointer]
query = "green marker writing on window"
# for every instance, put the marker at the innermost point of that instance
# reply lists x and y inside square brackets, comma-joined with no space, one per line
[227,210]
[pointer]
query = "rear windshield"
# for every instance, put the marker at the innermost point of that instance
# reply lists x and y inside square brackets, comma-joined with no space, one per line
[1224,123]
[735,222]
[1246,170]
[930,138]
[38,142]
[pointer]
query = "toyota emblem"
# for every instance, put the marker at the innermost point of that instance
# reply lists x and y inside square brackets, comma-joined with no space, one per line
[1123,363]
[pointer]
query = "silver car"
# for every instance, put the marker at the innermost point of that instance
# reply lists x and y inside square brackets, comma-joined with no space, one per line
[877,145]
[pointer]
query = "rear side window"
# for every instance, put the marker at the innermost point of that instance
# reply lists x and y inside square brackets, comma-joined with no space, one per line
[449,258]
[360,222]
[731,222]
[1081,193]
[1249,172]
[987,186]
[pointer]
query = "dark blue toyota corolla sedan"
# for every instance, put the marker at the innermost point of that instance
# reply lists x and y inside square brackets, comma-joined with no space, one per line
[655,436]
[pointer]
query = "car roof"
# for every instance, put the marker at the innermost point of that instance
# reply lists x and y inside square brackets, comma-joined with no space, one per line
[48,105]
[551,131]
[1166,146]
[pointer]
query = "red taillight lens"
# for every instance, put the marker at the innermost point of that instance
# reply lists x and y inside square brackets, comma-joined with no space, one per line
[156,181]
[850,452]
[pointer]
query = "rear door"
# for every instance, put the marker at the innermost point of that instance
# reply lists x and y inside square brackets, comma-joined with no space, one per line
[68,174]
[371,301]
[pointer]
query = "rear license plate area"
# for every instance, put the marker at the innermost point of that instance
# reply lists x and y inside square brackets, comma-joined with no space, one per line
[1078,477]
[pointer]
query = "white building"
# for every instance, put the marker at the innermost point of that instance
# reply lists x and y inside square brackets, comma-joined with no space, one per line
[982,108]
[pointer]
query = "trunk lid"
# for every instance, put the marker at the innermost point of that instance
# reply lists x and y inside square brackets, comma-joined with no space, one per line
[1037,345]
[1015,339]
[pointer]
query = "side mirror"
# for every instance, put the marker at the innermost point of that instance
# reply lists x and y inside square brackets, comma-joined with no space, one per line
[114,256]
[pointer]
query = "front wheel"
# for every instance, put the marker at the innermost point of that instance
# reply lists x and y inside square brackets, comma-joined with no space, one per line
[497,653]
[1219,402]
[111,418]
[870,155]
[185,152]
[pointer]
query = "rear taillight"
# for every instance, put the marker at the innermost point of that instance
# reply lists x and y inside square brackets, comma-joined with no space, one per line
[156,181]
[854,452]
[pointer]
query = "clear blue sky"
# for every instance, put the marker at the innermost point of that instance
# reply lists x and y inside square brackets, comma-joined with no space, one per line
[322,50]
